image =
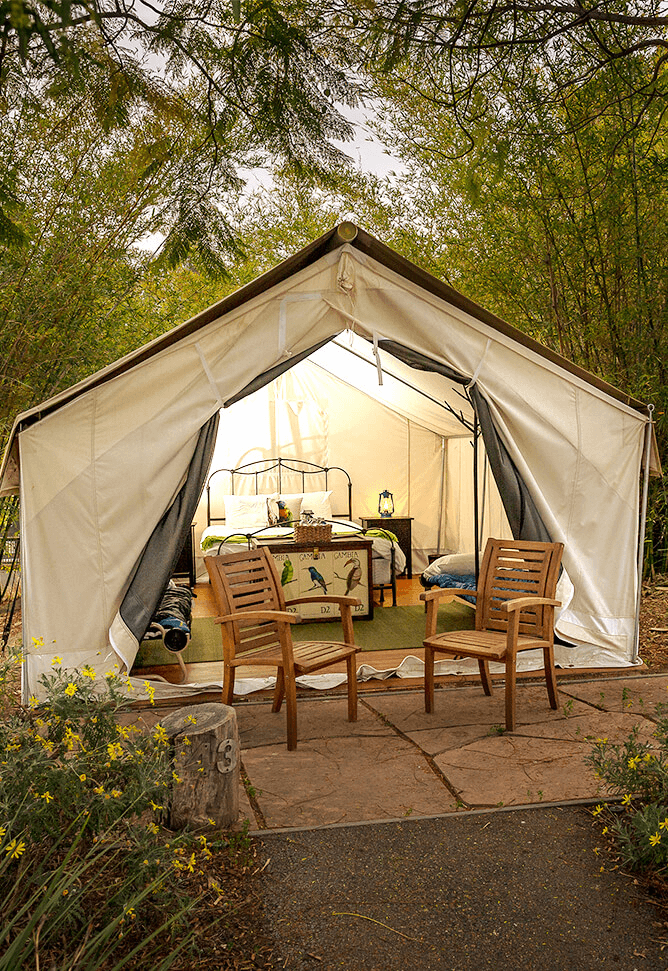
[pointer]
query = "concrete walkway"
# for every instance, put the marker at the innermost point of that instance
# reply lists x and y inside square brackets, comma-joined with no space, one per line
[397,762]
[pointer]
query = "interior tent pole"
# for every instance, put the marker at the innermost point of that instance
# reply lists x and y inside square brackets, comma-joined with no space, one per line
[649,432]
[476,527]
[441,497]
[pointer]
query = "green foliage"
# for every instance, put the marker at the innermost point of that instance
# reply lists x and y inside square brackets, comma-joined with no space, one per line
[638,772]
[85,874]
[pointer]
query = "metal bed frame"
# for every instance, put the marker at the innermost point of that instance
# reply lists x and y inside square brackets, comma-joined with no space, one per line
[278,467]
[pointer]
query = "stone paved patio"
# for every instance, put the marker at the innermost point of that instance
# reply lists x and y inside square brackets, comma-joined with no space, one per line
[396,761]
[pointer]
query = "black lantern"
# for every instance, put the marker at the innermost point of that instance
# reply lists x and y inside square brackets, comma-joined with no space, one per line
[386,503]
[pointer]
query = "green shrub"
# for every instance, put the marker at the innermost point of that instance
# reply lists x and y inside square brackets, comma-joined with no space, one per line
[637,772]
[86,873]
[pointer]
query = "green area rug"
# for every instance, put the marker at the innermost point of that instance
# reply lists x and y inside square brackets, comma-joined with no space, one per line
[392,629]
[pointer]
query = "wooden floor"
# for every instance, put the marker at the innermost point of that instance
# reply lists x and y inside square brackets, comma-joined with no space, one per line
[408,593]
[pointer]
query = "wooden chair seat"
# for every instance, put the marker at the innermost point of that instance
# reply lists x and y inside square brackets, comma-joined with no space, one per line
[514,612]
[255,628]
[308,656]
[484,644]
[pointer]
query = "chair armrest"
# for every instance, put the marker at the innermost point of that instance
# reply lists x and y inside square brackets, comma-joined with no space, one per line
[522,602]
[279,616]
[440,593]
[341,601]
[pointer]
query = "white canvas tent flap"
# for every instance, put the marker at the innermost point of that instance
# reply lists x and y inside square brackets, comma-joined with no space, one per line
[103,462]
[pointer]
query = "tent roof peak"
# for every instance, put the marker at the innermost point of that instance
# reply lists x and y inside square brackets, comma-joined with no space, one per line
[345,233]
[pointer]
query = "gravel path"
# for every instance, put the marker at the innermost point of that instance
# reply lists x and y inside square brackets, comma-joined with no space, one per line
[518,891]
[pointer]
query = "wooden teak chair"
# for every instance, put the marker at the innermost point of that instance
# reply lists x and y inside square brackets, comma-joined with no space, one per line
[514,612]
[256,630]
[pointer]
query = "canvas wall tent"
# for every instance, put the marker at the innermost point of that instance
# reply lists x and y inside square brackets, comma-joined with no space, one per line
[109,471]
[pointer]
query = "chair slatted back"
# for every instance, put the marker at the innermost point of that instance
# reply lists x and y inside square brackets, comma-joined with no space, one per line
[512,569]
[246,581]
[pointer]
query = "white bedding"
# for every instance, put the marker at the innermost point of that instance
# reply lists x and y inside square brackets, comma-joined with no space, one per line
[220,538]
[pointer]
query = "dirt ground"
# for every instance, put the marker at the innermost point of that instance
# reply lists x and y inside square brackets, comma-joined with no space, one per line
[654,625]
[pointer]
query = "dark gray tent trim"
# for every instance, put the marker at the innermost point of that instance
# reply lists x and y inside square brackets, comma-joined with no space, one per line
[162,551]
[523,517]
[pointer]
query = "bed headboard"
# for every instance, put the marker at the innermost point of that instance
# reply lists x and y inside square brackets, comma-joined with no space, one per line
[273,475]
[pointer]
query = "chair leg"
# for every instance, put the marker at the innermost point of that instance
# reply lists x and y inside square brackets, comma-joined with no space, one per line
[428,679]
[550,675]
[228,684]
[279,690]
[485,676]
[510,694]
[351,666]
[291,706]
[394,590]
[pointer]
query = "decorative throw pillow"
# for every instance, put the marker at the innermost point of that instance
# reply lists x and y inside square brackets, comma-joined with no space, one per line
[289,507]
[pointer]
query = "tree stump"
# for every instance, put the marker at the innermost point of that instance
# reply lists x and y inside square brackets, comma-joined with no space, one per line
[205,743]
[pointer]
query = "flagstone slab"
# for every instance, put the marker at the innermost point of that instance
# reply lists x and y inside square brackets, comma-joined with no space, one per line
[589,726]
[347,780]
[634,694]
[534,764]
[320,718]
[462,715]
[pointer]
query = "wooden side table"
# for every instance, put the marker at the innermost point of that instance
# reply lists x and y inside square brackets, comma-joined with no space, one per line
[402,529]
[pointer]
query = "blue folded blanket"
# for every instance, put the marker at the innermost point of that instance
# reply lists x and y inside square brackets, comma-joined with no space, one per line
[464,581]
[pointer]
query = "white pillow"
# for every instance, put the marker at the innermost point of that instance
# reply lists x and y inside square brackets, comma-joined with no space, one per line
[246,512]
[456,564]
[319,503]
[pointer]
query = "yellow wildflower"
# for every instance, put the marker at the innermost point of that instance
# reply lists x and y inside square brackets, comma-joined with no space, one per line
[116,793]
[56,660]
[47,797]
[191,718]
[83,776]
[14,849]
[33,701]
[152,828]
[99,790]
[114,750]
[160,735]
[176,778]
[626,801]
[71,689]
[664,824]
[599,809]
[88,672]
[655,839]
[38,641]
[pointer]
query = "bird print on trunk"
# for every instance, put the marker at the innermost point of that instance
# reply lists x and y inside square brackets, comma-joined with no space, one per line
[354,575]
[288,573]
[317,579]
